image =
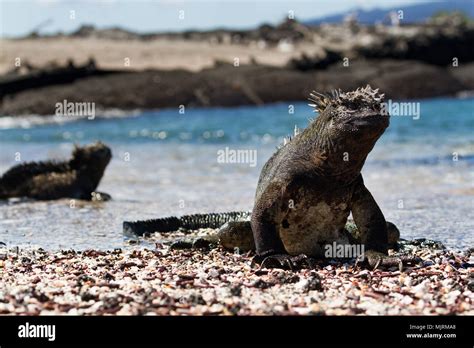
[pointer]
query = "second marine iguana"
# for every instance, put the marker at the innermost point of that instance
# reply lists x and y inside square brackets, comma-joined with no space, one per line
[311,184]
[77,178]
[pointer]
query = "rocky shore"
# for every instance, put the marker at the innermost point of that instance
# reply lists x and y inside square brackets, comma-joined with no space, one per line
[275,64]
[163,281]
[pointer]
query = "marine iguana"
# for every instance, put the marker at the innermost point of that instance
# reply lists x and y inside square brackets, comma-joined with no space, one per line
[311,184]
[77,178]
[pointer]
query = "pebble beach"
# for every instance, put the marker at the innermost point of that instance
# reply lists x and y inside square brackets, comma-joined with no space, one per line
[213,281]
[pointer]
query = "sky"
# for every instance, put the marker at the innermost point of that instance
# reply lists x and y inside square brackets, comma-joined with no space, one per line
[20,17]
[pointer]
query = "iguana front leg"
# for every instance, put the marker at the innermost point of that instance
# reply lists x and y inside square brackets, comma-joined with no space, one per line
[393,234]
[265,233]
[269,247]
[369,219]
[372,228]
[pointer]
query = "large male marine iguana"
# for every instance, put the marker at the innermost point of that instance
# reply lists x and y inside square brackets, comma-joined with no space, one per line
[308,188]
[77,178]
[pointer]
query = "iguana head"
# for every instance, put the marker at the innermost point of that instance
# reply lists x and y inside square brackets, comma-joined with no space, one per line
[94,157]
[348,125]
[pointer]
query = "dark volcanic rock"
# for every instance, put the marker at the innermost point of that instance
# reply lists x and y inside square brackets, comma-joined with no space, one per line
[305,62]
[406,79]
[464,73]
[397,79]
[437,44]
[226,85]
[219,86]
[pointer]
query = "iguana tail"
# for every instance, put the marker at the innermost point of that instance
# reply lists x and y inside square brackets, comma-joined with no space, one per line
[20,173]
[189,222]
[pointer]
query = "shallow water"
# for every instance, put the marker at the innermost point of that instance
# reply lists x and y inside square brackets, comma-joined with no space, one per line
[166,163]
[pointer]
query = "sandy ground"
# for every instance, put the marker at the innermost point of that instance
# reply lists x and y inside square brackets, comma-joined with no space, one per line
[163,281]
[156,54]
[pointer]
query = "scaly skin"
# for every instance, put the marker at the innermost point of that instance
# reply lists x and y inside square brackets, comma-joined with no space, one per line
[77,178]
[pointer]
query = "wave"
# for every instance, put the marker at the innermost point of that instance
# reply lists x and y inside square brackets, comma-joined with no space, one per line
[34,120]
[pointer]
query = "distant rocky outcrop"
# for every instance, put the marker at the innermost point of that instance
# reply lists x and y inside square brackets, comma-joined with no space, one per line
[226,85]
[289,30]
[444,41]
[29,77]
[86,31]
[317,62]
[435,44]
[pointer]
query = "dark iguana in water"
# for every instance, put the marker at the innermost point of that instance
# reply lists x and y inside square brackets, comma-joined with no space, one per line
[77,178]
[311,184]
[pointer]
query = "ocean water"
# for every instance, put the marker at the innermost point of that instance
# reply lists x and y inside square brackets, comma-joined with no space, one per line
[421,171]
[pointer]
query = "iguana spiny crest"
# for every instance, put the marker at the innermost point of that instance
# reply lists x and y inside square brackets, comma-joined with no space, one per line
[361,97]
[342,103]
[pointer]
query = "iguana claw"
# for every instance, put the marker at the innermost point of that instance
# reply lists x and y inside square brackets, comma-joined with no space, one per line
[376,259]
[283,261]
